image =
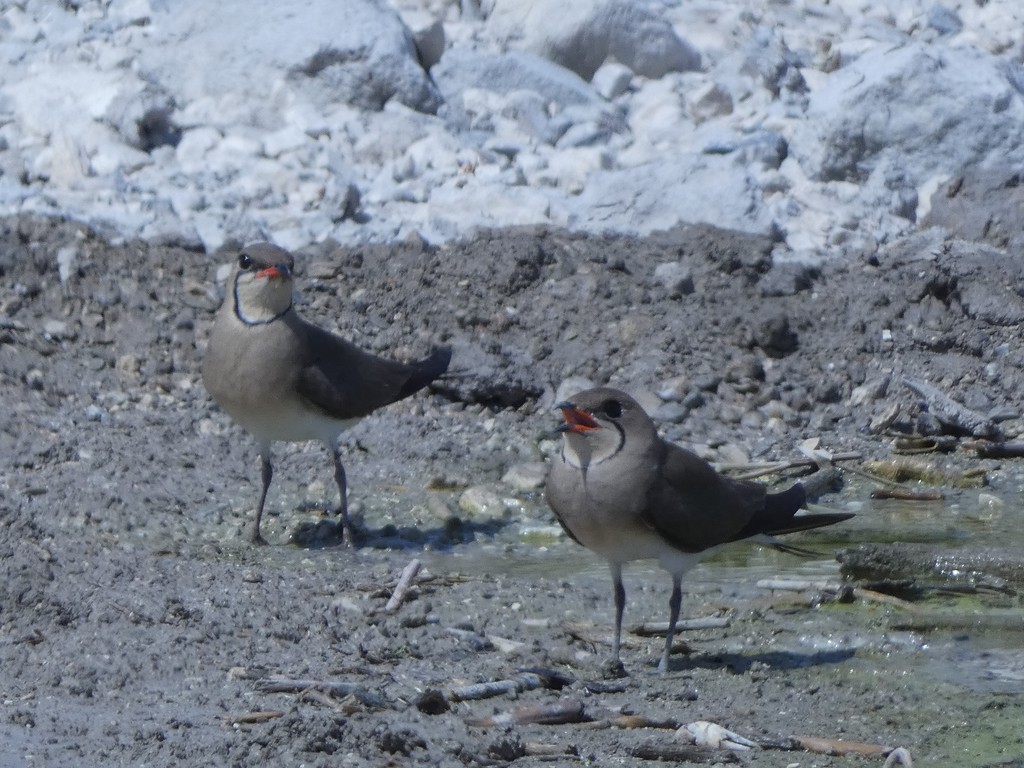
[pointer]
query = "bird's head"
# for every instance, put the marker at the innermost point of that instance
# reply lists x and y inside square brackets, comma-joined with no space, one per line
[262,283]
[598,424]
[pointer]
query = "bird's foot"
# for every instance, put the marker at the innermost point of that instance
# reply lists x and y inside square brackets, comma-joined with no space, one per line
[613,669]
[348,530]
[255,537]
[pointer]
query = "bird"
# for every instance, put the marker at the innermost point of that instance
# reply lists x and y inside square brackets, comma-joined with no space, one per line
[282,378]
[620,490]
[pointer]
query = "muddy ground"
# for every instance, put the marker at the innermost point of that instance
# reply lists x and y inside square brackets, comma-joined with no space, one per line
[137,627]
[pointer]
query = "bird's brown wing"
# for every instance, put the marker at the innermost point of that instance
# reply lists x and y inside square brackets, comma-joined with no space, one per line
[694,508]
[347,382]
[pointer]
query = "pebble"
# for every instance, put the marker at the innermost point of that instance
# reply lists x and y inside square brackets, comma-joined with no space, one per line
[56,330]
[671,412]
[572,386]
[525,477]
[675,277]
[481,502]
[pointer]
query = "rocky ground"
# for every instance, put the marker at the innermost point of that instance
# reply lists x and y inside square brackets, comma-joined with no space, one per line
[137,627]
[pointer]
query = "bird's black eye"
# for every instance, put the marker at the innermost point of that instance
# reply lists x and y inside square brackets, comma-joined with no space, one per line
[612,409]
[245,261]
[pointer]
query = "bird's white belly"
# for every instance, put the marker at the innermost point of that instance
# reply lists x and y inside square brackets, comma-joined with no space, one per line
[290,421]
[623,544]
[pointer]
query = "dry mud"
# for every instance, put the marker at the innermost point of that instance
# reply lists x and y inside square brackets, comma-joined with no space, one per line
[137,627]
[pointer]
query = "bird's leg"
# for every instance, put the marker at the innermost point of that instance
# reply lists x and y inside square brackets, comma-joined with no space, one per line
[339,478]
[620,605]
[674,603]
[267,473]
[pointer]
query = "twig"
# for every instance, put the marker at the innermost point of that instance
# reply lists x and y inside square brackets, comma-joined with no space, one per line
[841,747]
[536,749]
[883,493]
[405,582]
[989,450]
[277,684]
[949,620]
[749,471]
[336,688]
[682,753]
[860,593]
[589,634]
[251,718]
[558,713]
[660,628]
[799,585]
[329,701]
[524,681]
[613,717]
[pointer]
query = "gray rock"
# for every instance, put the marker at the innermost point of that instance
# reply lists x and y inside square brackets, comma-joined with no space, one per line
[944,20]
[506,73]
[572,386]
[676,277]
[671,412]
[481,502]
[525,477]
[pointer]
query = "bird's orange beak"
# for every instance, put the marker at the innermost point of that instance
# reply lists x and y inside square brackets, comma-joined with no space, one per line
[274,271]
[576,420]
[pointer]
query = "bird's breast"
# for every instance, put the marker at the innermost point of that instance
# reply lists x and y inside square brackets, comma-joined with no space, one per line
[604,511]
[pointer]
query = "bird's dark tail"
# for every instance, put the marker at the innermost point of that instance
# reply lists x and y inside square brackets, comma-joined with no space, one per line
[426,370]
[779,515]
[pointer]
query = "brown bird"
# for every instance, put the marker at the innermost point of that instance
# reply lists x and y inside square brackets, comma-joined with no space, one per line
[621,491]
[282,378]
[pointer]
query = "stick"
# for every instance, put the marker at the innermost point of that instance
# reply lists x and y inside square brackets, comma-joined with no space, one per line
[660,628]
[883,493]
[799,585]
[840,747]
[803,585]
[757,469]
[988,450]
[558,713]
[405,581]
[525,681]
[537,749]
[681,753]
[251,718]
[284,685]
[337,688]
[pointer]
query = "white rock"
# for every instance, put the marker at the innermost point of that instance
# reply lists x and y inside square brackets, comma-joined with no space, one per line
[612,79]
[913,110]
[364,55]
[66,258]
[287,139]
[194,145]
[581,35]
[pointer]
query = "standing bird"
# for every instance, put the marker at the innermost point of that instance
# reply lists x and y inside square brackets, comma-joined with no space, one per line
[282,378]
[621,491]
